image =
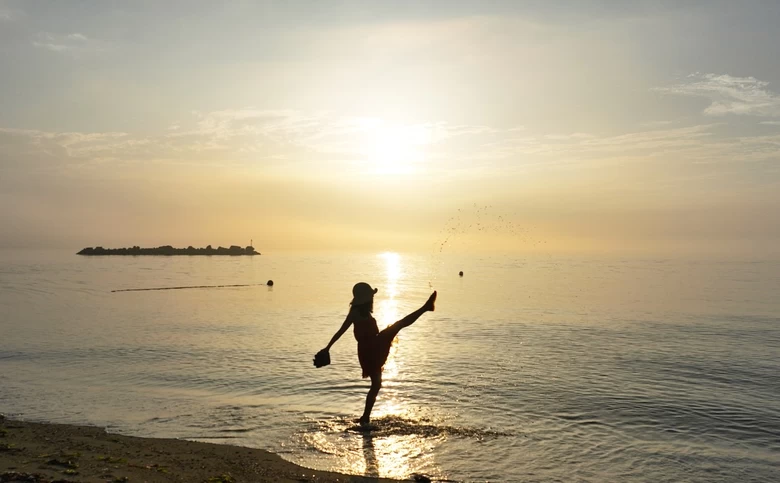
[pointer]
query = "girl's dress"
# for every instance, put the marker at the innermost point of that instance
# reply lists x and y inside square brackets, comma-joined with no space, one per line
[373,345]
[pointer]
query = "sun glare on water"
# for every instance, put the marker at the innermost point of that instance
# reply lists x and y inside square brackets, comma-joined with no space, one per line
[388,307]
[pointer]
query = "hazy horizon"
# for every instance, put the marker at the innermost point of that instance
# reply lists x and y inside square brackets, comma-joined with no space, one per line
[589,127]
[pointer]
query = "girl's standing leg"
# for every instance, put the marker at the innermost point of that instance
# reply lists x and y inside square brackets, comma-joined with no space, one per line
[376,385]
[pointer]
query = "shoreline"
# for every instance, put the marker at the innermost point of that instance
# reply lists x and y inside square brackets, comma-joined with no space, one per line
[51,452]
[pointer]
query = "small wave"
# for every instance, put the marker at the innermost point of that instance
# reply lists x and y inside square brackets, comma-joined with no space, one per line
[400,426]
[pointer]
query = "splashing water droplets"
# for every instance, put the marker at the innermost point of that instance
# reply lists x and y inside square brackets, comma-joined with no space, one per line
[469,227]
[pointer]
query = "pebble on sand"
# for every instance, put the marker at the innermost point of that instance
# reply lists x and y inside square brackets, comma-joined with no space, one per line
[460,273]
[270,283]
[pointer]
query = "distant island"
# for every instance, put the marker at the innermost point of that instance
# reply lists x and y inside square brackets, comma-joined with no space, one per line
[168,250]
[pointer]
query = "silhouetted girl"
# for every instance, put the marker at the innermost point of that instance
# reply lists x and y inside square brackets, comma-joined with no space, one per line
[373,345]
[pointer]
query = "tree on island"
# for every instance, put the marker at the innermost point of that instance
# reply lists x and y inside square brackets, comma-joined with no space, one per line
[168,250]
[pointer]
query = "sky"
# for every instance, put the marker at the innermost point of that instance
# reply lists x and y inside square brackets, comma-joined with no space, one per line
[581,127]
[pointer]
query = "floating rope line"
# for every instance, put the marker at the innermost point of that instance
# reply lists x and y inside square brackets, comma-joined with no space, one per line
[185,287]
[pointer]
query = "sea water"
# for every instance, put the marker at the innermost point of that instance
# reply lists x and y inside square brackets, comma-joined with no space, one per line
[531,369]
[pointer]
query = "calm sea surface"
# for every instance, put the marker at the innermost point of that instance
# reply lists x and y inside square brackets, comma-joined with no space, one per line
[531,369]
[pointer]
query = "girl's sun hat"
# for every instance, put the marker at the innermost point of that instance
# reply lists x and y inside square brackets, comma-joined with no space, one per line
[362,293]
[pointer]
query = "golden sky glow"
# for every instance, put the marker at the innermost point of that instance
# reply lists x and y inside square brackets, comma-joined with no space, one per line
[637,127]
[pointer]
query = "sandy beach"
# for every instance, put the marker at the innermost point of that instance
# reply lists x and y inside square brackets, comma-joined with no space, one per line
[48,453]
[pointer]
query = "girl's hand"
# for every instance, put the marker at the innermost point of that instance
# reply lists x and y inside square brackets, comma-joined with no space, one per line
[322,358]
[430,305]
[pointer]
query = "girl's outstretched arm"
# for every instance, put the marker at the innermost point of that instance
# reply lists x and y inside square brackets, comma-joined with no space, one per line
[340,332]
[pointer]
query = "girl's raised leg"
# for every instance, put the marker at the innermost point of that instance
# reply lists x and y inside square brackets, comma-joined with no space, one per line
[429,306]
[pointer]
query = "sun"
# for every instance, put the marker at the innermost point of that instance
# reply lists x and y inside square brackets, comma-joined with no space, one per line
[395,149]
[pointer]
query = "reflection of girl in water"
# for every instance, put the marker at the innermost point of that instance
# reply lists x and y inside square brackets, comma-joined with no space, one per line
[373,345]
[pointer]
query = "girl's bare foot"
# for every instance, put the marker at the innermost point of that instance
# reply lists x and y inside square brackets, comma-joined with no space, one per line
[430,305]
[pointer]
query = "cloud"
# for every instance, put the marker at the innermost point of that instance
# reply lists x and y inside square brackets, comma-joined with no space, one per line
[729,95]
[313,132]
[230,136]
[75,44]
[280,141]
[8,14]
[579,146]
[285,140]
[41,150]
[52,46]
[654,149]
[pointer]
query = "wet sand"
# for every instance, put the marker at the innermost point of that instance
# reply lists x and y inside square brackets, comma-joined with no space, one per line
[47,453]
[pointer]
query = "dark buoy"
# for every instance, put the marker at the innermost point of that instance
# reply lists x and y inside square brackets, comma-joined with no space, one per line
[270,283]
[460,273]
